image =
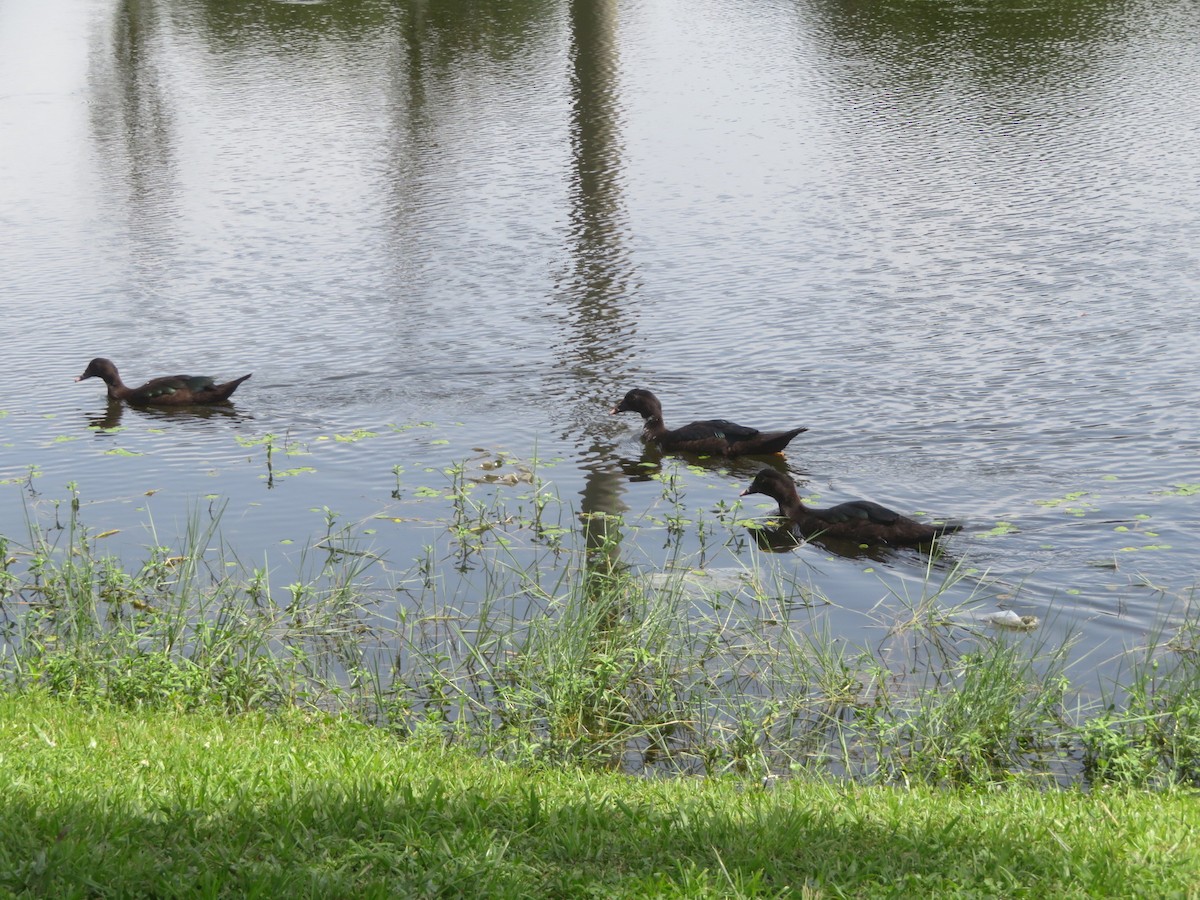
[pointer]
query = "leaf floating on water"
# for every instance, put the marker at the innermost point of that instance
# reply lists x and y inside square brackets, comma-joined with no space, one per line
[428,492]
[299,470]
[253,441]
[1000,528]
[1186,489]
[357,434]
[121,451]
[509,478]
[439,442]
[151,492]
[1068,498]
[63,438]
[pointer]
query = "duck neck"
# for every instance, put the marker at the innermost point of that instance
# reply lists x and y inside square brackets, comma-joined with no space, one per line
[653,426]
[116,387]
[792,506]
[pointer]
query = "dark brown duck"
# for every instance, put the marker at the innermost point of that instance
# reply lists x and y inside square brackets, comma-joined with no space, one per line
[713,437]
[171,390]
[857,520]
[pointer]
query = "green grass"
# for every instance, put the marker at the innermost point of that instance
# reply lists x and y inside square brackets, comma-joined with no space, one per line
[106,802]
[526,636]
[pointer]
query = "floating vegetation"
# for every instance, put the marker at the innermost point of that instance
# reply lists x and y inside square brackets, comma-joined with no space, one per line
[1187,489]
[409,426]
[288,473]
[31,472]
[1069,503]
[289,447]
[358,434]
[500,468]
[121,451]
[1000,528]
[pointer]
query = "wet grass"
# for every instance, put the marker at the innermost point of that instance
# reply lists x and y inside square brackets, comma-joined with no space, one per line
[523,634]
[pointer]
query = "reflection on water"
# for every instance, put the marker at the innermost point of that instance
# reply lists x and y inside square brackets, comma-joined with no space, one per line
[957,240]
[595,291]
[115,411]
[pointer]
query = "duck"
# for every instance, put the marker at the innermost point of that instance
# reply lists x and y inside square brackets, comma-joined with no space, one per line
[170,390]
[712,437]
[861,521]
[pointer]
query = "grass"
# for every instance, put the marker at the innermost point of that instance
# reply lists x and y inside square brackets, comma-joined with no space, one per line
[190,725]
[103,801]
[528,639]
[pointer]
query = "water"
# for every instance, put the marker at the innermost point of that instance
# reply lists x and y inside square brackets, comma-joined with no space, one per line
[958,242]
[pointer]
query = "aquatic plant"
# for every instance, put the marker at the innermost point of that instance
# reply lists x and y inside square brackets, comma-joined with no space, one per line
[522,630]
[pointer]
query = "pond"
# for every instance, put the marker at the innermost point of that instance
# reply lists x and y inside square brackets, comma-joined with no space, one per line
[959,242]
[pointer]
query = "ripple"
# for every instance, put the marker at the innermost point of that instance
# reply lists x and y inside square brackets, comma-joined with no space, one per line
[957,243]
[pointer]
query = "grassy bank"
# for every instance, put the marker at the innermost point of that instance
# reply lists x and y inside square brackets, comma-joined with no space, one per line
[102,801]
[525,636]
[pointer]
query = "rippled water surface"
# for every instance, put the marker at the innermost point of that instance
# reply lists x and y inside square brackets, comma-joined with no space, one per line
[958,241]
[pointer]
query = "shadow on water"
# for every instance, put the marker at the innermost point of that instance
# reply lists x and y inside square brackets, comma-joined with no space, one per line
[649,465]
[115,412]
[782,538]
